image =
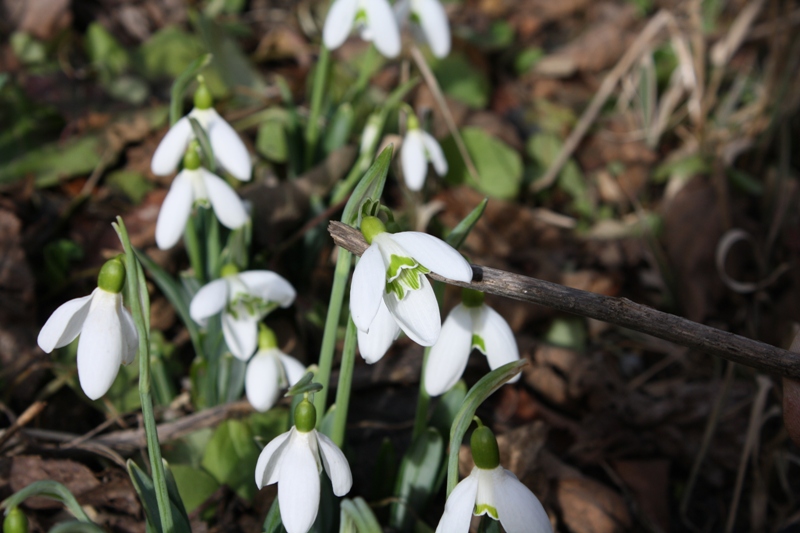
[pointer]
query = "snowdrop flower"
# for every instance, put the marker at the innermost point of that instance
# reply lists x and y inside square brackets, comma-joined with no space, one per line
[108,334]
[389,290]
[493,490]
[269,371]
[229,150]
[429,23]
[244,298]
[419,147]
[294,460]
[196,184]
[375,19]
[471,324]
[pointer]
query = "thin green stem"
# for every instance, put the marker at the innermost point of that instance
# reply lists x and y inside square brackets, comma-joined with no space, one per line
[340,276]
[423,399]
[213,245]
[135,300]
[312,128]
[345,383]
[192,243]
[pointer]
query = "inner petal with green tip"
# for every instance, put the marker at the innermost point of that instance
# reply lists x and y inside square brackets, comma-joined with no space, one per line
[403,275]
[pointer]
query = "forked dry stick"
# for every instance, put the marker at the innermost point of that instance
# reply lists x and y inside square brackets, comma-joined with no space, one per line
[618,311]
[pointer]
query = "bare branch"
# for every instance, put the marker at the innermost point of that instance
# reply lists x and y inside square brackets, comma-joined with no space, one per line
[618,311]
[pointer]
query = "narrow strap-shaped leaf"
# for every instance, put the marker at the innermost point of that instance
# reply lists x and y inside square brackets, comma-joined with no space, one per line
[76,527]
[273,523]
[461,231]
[47,489]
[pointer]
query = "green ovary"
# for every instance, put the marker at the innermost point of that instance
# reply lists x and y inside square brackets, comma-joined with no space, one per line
[404,274]
[482,508]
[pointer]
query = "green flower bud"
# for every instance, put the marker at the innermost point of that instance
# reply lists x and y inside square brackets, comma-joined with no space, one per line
[485,452]
[371,226]
[112,276]
[471,297]
[228,270]
[191,161]
[266,338]
[15,521]
[202,96]
[305,416]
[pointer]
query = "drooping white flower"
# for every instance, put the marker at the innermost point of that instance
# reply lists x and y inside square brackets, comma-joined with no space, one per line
[429,23]
[493,490]
[268,371]
[374,18]
[419,147]
[244,298]
[229,150]
[390,290]
[196,184]
[108,334]
[294,460]
[471,324]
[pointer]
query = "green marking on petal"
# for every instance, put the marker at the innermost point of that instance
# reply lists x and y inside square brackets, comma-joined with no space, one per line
[477,342]
[482,508]
[402,275]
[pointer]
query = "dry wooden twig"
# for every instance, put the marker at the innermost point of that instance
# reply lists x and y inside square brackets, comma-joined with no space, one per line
[618,311]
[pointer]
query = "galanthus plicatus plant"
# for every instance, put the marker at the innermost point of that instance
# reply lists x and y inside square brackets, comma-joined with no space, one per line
[492,490]
[196,185]
[243,298]
[268,371]
[471,325]
[294,460]
[390,290]
[419,147]
[108,335]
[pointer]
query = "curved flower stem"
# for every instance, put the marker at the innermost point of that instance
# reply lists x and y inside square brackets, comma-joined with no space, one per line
[139,304]
[340,276]
[345,383]
[192,243]
[312,128]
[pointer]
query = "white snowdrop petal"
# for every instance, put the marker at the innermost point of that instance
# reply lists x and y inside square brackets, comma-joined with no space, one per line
[435,153]
[228,148]
[402,10]
[413,160]
[335,464]
[435,26]
[130,336]
[226,203]
[339,23]
[458,508]
[448,357]
[100,346]
[269,286]
[367,287]
[382,26]
[209,300]
[501,346]
[518,508]
[261,380]
[382,333]
[417,314]
[298,485]
[240,335]
[64,324]
[294,369]
[172,148]
[435,255]
[270,458]
[175,211]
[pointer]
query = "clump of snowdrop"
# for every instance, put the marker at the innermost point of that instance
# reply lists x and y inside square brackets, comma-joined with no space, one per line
[470,325]
[108,334]
[196,185]
[493,490]
[428,23]
[294,460]
[268,371]
[374,19]
[244,298]
[229,150]
[390,292]
[419,147]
